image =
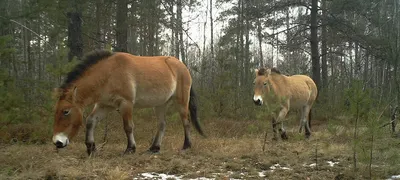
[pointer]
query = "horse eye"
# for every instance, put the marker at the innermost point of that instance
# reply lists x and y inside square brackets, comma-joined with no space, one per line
[265,83]
[66,112]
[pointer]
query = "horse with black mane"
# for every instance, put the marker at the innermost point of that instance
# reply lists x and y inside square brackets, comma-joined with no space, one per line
[122,81]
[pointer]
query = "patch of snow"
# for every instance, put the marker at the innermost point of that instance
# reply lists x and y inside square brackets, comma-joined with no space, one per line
[159,176]
[394,177]
[261,174]
[278,166]
[311,165]
[331,163]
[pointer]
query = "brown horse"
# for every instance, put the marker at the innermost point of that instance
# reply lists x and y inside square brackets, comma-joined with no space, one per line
[121,81]
[288,92]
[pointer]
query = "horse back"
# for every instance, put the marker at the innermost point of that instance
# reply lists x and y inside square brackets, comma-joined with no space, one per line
[146,80]
[303,89]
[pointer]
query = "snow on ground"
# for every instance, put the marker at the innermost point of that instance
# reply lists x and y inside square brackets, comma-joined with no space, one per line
[153,175]
[330,163]
[394,177]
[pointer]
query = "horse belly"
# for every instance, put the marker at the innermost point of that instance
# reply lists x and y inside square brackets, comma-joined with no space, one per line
[147,99]
[297,103]
[300,100]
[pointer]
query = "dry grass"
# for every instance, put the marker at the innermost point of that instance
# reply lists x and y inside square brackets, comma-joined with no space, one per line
[232,149]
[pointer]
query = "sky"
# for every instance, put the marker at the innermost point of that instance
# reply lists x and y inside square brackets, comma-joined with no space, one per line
[195,19]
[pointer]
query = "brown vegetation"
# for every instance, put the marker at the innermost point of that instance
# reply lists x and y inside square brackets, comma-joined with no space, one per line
[233,149]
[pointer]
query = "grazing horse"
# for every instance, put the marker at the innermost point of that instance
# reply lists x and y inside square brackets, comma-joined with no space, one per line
[288,92]
[121,81]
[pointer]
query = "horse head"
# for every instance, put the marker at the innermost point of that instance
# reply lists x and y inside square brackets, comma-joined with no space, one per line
[261,86]
[67,119]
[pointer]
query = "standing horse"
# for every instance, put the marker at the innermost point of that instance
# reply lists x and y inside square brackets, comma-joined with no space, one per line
[288,92]
[122,81]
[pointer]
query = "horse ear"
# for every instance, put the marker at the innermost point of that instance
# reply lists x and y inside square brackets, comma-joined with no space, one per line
[56,93]
[256,71]
[74,94]
[268,72]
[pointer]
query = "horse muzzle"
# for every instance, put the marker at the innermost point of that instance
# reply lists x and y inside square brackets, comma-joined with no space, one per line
[60,140]
[258,102]
[257,99]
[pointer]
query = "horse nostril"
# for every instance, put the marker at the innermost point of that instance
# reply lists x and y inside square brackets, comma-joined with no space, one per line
[59,144]
[257,102]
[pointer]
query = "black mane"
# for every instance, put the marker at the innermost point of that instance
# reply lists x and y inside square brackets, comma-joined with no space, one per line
[89,60]
[262,71]
[275,70]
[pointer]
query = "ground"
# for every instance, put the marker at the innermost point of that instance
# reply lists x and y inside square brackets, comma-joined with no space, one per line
[231,150]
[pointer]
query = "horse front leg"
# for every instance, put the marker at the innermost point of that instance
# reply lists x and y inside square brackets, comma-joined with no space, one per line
[275,138]
[126,112]
[281,117]
[160,113]
[99,112]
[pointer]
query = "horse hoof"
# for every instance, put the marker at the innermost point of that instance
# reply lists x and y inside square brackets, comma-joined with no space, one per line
[130,151]
[284,136]
[186,147]
[90,148]
[308,136]
[154,150]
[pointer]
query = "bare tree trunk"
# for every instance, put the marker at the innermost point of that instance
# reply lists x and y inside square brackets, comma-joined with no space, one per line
[122,25]
[39,49]
[293,65]
[247,55]
[241,39]
[75,42]
[178,27]
[324,49]
[132,44]
[357,64]
[212,30]
[260,41]
[212,60]
[203,59]
[173,25]
[316,75]
[98,24]
[350,52]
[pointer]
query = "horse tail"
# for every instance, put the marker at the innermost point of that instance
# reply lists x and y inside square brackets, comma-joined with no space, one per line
[193,112]
[309,118]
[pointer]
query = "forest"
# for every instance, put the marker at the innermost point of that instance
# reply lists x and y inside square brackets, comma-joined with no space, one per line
[350,48]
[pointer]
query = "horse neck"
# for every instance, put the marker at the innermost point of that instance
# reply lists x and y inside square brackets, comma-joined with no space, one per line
[88,89]
[274,79]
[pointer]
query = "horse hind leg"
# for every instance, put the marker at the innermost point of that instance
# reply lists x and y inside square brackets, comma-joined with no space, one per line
[160,113]
[99,112]
[183,106]
[308,124]
[126,112]
[304,121]
[186,126]
[302,117]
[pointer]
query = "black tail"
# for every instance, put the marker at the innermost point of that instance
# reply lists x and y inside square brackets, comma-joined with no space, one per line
[193,112]
[309,119]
